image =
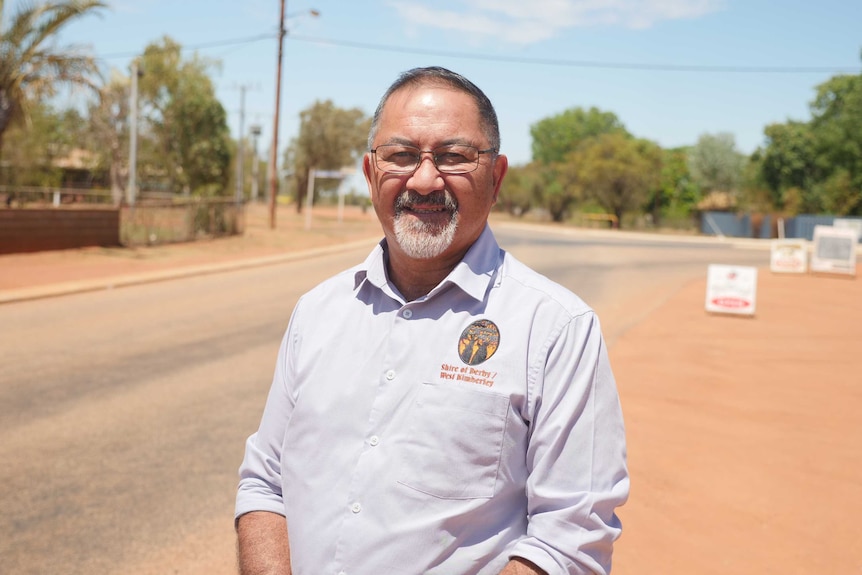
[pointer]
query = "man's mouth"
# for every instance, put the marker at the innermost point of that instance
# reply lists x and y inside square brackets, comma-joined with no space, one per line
[426,209]
[442,203]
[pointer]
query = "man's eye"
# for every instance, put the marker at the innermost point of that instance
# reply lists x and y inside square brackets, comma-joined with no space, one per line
[451,159]
[403,157]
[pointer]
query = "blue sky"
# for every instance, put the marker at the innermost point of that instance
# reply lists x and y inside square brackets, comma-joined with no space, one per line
[671,70]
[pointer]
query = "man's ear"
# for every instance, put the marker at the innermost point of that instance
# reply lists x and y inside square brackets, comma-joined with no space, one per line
[501,166]
[369,174]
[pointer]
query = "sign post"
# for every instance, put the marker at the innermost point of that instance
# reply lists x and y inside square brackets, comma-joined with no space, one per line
[309,193]
[731,289]
[789,256]
[834,250]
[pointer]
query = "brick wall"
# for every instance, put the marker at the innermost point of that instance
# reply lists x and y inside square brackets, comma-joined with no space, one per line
[33,230]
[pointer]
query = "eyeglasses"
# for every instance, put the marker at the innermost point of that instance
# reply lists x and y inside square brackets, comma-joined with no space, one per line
[403,159]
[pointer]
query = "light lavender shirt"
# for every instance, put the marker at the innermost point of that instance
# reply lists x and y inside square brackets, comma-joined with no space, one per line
[443,435]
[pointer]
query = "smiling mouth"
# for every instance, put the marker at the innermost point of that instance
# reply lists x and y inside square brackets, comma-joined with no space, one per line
[441,203]
[427,209]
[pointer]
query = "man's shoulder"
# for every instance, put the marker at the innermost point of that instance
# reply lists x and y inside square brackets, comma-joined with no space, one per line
[343,282]
[523,283]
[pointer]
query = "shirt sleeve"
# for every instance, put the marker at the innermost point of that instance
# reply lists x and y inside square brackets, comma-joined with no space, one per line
[576,456]
[260,473]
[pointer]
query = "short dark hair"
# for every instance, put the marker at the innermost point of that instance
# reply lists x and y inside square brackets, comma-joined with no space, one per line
[438,75]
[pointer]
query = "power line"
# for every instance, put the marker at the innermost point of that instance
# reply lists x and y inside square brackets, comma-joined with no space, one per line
[582,63]
[594,64]
[203,46]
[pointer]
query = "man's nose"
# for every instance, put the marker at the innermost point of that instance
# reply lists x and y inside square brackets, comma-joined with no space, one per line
[426,179]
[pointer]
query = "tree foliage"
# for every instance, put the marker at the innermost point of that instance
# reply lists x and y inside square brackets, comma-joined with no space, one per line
[186,140]
[677,191]
[715,164]
[836,125]
[616,171]
[31,67]
[816,166]
[521,189]
[787,165]
[556,137]
[34,149]
[330,138]
[109,132]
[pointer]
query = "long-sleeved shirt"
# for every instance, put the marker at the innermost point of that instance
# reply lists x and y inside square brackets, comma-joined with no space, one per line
[442,435]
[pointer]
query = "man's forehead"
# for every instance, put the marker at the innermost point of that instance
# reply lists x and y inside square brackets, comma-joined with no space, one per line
[427,94]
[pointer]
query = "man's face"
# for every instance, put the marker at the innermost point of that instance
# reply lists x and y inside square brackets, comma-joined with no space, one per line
[428,214]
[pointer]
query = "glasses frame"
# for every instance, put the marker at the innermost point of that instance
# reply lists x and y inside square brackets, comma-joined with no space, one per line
[433,159]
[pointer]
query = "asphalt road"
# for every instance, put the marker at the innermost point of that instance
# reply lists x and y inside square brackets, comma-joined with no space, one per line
[123,413]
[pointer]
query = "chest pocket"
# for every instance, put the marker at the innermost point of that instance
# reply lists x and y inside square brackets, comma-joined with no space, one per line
[454,443]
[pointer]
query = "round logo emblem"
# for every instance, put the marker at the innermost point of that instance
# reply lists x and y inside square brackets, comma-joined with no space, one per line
[478,342]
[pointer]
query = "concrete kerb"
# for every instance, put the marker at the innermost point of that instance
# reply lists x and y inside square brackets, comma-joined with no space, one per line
[111,282]
[744,243]
[738,243]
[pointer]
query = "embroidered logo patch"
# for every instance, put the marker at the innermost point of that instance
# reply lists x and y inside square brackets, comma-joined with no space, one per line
[478,342]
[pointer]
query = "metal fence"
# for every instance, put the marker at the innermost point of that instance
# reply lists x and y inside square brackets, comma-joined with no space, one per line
[24,196]
[765,227]
[182,220]
[155,218]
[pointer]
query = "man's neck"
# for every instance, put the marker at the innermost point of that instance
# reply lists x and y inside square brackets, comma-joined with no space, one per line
[415,278]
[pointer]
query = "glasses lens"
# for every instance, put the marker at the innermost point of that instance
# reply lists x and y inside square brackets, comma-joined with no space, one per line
[456,159]
[401,159]
[397,159]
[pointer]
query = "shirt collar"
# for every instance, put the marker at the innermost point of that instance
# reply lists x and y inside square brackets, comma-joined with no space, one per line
[472,274]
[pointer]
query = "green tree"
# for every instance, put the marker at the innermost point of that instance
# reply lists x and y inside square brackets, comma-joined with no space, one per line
[557,136]
[836,126]
[755,195]
[715,164]
[33,150]
[521,188]
[109,131]
[676,194]
[186,125]
[617,171]
[558,194]
[330,138]
[787,162]
[31,67]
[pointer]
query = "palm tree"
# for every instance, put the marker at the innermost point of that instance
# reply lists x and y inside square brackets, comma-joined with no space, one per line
[29,68]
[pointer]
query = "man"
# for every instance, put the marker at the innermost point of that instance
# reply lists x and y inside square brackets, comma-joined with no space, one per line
[439,408]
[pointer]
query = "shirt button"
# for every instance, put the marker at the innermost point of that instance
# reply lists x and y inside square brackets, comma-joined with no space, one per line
[390,375]
[374,440]
[407,313]
[356,507]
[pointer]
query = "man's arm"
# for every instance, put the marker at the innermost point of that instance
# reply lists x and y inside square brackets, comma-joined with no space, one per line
[518,566]
[578,475]
[262,545]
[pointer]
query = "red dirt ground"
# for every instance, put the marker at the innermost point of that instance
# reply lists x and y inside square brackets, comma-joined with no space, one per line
[745,448]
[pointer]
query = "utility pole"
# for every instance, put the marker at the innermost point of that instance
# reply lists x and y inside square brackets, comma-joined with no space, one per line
[273,159]
[133,137]
[240,153]
[255,134]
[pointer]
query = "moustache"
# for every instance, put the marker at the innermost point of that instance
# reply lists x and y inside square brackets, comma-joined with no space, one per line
[409,198]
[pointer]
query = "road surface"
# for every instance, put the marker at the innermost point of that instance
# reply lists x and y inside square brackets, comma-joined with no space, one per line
[123,413]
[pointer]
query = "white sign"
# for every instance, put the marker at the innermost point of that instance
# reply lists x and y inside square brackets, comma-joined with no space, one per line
[789,256]
[853,224]
[731,289]
[834,250]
